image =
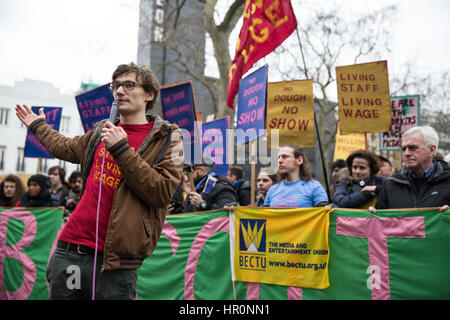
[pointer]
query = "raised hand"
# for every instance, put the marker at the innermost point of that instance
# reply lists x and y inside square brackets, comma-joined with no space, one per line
[27,116]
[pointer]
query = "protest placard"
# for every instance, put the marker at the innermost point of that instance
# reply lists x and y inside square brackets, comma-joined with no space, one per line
[405,112]
[214,143]
[252,106]
[290,109]
[94,105]
[178,107]
[33,148]
[347,143]
[363,97]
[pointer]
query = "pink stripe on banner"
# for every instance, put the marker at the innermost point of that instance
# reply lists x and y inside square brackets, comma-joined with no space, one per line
[295,293]
[252,291]
[208,230]
[377,230]
[15,251]
[171,234]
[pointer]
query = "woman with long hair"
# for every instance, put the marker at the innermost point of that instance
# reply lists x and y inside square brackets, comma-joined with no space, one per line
[10,190]
[359,185]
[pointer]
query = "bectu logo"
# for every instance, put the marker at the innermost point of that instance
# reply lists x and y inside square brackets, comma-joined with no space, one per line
[252,235]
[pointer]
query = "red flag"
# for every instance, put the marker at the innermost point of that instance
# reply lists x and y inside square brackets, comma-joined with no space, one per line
[267,23]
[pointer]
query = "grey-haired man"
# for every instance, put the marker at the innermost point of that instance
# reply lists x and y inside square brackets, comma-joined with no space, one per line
[423,181]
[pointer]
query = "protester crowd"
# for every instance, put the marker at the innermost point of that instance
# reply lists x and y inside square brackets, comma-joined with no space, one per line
[42,190]
[363,180]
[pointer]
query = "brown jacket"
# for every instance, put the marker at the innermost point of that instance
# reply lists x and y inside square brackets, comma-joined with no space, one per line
[150,177]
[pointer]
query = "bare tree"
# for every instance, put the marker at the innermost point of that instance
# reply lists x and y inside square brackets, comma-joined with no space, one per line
[189,60]
[328,40]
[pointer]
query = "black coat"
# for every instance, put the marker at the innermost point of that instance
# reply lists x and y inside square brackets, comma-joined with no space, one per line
[349,195]
[222,194]
[243,192]
[43,199]
[401,192]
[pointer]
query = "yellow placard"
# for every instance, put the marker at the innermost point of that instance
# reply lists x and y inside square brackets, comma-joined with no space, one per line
[347,143]
[284,246]
[363,97]
[290,109]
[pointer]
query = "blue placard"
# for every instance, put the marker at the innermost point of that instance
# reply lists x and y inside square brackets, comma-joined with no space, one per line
[94,106]
[252,106]
[214,143]
[33,148]
[178,107]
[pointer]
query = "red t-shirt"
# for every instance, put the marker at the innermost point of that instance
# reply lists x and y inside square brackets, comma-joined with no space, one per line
[80,228]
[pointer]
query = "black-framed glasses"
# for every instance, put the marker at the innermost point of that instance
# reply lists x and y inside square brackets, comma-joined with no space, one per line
[127,85]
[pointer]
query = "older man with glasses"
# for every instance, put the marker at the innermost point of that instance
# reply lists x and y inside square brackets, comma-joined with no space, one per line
[423,181]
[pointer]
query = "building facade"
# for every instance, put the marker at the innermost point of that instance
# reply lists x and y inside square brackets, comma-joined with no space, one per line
[13,132]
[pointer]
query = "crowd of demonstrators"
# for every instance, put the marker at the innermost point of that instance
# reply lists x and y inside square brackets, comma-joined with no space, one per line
[211,191]
[42,191]
[423,181]
[359,183]
[10,190]
[242,187]
[266,178]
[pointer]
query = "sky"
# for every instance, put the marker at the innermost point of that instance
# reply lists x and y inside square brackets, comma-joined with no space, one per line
[69,42]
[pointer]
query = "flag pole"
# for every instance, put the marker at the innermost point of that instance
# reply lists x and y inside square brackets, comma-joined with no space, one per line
[325,173]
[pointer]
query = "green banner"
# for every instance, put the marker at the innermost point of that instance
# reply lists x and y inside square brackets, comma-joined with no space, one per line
[395,254]
[27,237]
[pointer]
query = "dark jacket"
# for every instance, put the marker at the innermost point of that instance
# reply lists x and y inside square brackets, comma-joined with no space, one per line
[61,195]
[243,192]
[348,193]
[401,192]
[42,200]
[6,202]
[222,194]
[177,202]
[150,176]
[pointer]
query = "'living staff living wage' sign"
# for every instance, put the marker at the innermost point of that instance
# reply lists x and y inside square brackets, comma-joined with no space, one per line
[290,109]
[363,97]
[94,105]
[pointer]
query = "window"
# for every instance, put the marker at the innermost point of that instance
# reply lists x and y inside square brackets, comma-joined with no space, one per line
[4,113]
[62,164]
[20,167]
[42,166]
[2,157]
[65,124]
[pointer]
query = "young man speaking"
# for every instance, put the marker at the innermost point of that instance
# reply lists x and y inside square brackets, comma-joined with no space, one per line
[142,169]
